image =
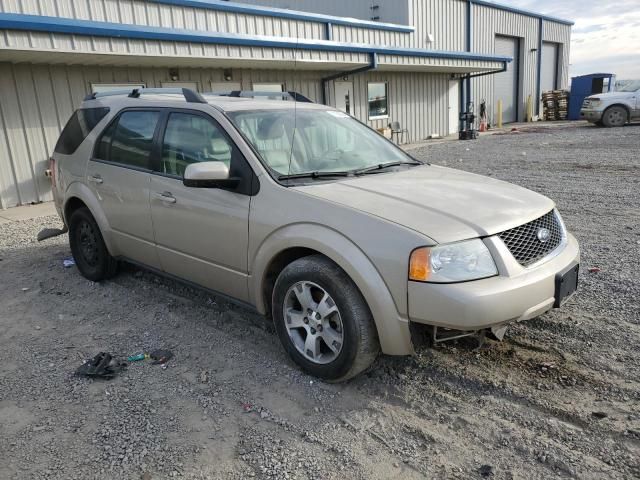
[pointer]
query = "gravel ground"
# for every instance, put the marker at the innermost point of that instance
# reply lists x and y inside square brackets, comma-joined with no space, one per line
[558,398]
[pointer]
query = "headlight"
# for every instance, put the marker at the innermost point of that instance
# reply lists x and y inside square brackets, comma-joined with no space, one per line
[454,262]
[595,102]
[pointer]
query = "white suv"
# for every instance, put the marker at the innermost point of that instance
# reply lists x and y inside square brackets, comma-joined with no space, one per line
[613,109]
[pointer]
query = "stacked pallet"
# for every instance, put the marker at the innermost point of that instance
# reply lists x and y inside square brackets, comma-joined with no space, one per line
[562,104]
[548,106]
[555,105]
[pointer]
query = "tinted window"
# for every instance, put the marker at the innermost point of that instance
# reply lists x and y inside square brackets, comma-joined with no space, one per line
[102,152]
[133,138]
[193,138]
[78,127]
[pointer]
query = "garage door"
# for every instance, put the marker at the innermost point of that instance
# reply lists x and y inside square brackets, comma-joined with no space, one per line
[506,83]
[549,74]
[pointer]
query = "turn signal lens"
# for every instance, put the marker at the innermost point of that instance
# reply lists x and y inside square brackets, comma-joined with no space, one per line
[419,265]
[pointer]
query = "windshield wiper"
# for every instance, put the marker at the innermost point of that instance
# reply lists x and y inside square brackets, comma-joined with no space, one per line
[382,166]
[315,175]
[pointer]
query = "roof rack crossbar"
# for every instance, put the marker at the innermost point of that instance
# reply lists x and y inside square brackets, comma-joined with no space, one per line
[290,95]
[189,95]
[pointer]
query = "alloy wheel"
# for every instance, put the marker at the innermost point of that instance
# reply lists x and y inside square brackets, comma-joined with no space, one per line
[313,322]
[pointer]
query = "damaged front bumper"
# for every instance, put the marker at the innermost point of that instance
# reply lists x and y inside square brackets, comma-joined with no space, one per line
[516,294]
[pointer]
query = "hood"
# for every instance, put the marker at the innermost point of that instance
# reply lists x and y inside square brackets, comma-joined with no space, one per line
[444,204]
[613,95]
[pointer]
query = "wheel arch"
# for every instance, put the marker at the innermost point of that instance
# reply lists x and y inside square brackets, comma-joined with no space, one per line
[296,241]
[79,195]
[623,106]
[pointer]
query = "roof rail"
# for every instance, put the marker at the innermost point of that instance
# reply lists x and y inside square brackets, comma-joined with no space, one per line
[250,94]
[189,95]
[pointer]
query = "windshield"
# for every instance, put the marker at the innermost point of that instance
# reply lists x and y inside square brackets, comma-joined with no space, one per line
[628,86]
[325,141]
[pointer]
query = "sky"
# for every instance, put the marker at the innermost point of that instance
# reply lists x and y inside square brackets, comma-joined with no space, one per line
[605,37]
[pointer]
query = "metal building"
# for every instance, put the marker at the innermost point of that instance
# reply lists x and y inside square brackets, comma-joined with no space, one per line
[416,62]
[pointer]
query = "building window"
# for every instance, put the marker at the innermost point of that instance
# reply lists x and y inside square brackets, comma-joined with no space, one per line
[268,87]
[108,87]
[378,95]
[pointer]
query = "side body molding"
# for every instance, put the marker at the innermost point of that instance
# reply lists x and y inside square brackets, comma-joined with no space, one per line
[393,328]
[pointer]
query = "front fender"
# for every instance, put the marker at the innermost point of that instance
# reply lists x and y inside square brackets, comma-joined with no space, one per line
[393,328]
[80,191]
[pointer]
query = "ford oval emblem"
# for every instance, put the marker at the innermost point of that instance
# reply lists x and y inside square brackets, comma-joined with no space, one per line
[544,235]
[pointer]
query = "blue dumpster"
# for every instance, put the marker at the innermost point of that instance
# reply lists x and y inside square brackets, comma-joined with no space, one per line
[585,85]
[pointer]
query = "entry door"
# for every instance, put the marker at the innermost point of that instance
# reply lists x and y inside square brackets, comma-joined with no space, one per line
[344,97]
[506,83]
[119,176]
[454,106]
[201,233]
[549,72]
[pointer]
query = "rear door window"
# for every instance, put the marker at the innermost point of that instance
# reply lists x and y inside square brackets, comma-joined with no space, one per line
[79,126]
[129,140]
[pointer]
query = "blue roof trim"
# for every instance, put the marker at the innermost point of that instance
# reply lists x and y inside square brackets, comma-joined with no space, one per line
[521,11]
[16,21]
[225,6]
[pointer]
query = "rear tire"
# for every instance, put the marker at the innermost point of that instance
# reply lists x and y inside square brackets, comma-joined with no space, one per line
[323,306]
[88,248]
[615,117]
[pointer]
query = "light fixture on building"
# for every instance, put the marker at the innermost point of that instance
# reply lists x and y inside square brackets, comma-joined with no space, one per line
[174,75]
[228,75]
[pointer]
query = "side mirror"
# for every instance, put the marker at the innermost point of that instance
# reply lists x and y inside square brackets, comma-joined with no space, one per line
[208,175]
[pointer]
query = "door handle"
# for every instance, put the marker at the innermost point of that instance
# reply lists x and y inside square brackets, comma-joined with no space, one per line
[95,179]
[166,197]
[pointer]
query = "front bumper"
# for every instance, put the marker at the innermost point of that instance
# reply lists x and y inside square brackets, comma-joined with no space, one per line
[591,115]
[516,294]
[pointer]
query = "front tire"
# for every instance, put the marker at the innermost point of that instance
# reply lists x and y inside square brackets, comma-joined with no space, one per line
[88,248]
[615,117]
[322,319]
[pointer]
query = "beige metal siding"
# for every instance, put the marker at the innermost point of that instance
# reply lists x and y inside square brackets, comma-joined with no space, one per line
[139,12]
[41,41]
[445,20]
[389,11]
[348,34]
[419,101]
[561,34]
[489,22]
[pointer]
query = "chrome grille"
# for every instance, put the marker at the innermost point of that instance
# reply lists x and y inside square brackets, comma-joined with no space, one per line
[523,241]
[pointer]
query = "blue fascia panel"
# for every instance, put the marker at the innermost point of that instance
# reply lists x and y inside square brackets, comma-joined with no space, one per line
[16,21]
[224,6]
[521,11]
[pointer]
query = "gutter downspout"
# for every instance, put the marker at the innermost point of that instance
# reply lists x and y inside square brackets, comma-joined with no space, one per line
[373,65]
[539,72]
[476,75]
[466,96]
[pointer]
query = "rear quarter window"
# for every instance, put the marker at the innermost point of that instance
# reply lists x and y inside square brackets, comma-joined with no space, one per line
[81,123]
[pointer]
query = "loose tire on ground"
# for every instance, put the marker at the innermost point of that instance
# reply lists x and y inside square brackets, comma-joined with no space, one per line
[614,117]
[88,248]
[349,319]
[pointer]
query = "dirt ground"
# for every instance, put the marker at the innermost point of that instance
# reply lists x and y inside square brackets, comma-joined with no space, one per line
[558,398]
